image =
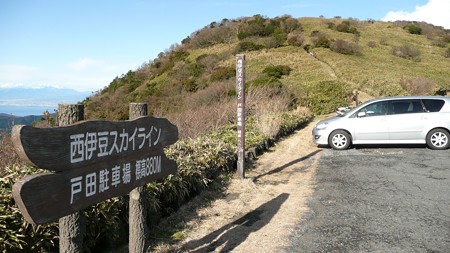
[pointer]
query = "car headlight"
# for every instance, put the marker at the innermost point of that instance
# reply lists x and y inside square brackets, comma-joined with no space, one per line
[321,126]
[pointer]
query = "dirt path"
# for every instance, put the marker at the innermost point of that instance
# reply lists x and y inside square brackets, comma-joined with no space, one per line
[256,214]
[328,69]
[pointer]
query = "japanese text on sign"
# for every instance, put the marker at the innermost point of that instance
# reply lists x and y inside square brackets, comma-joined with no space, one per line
[240,79]
[99,182]
[87,146]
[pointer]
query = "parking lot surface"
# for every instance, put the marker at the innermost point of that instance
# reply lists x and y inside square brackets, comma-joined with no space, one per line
[378,200]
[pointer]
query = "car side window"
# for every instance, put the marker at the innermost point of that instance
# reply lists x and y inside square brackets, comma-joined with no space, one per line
[376,109]
[406,106]
[433,105]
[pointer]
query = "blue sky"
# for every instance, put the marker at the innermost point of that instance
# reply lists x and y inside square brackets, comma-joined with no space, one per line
[84,44]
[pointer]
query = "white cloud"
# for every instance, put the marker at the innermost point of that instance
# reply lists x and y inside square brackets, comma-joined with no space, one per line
[84,63]
[14,75]
[435,12]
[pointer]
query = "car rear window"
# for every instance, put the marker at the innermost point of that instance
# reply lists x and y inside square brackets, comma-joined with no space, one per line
[433,105]
[406,106]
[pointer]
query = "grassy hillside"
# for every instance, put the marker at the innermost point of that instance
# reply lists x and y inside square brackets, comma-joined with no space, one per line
[377,58]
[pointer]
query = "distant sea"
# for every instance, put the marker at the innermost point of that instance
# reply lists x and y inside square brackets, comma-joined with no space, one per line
[25,101]
[26,110]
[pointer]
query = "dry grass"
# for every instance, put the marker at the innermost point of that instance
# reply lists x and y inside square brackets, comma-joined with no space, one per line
[417,86]
[203,111]
[8,156]
[194,122]
[267,109]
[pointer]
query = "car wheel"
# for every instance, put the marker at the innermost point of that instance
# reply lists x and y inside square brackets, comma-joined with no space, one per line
[438,139]
[339,140]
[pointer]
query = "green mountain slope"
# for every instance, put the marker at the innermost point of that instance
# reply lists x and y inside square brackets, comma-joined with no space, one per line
[196,78]
[7,121]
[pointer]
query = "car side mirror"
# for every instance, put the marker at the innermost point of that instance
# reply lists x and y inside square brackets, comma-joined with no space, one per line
[361,114]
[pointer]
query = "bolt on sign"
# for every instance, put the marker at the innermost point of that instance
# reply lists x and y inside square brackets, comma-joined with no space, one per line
[91,161]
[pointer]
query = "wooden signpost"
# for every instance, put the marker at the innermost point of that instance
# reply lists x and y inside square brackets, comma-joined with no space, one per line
[91,161]
[240,93]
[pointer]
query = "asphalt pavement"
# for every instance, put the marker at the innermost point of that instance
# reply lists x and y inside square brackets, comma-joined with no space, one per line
[378,200]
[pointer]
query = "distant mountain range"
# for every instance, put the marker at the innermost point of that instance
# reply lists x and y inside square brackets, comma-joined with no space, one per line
[23,106]
[34,101]
[40,96]
[8,120]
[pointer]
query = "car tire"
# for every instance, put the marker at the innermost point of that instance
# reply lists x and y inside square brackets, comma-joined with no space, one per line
[339,140]
[438,139]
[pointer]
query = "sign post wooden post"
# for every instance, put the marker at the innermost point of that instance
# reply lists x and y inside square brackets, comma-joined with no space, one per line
[137,212]
[90,162]
[240,94]
[72,226]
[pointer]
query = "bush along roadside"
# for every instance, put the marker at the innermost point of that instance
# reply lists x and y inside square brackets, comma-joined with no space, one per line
[200,161]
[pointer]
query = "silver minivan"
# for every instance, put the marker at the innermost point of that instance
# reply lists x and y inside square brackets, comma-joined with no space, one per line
[390,120]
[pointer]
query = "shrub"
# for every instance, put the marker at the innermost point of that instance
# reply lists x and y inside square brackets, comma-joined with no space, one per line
[372,44]
[150,88]
[248,46]
[133,85]
[199,161]
[439,43]
[326,96]
[343,27]
[17,235]
[280,36]
[407,52]
[210,36]
[178,55]
[277,71]
[268,42]
[353,30]
[413,29]
[447,53]
[208,62]
[223,73]
[346,28]
[345,47]
[321,40]
[315,33]
[189,84]
[417,86]
[331,25]
[295,39]
[257,26]
[307,47]
[291,24]
[184,70]
[271,82]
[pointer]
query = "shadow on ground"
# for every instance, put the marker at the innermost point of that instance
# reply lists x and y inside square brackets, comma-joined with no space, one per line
[233,234]
[279,169]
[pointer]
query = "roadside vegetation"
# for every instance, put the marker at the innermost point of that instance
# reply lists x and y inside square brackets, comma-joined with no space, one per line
[296,68]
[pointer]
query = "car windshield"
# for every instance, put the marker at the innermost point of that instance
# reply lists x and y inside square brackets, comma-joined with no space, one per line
[355,109]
